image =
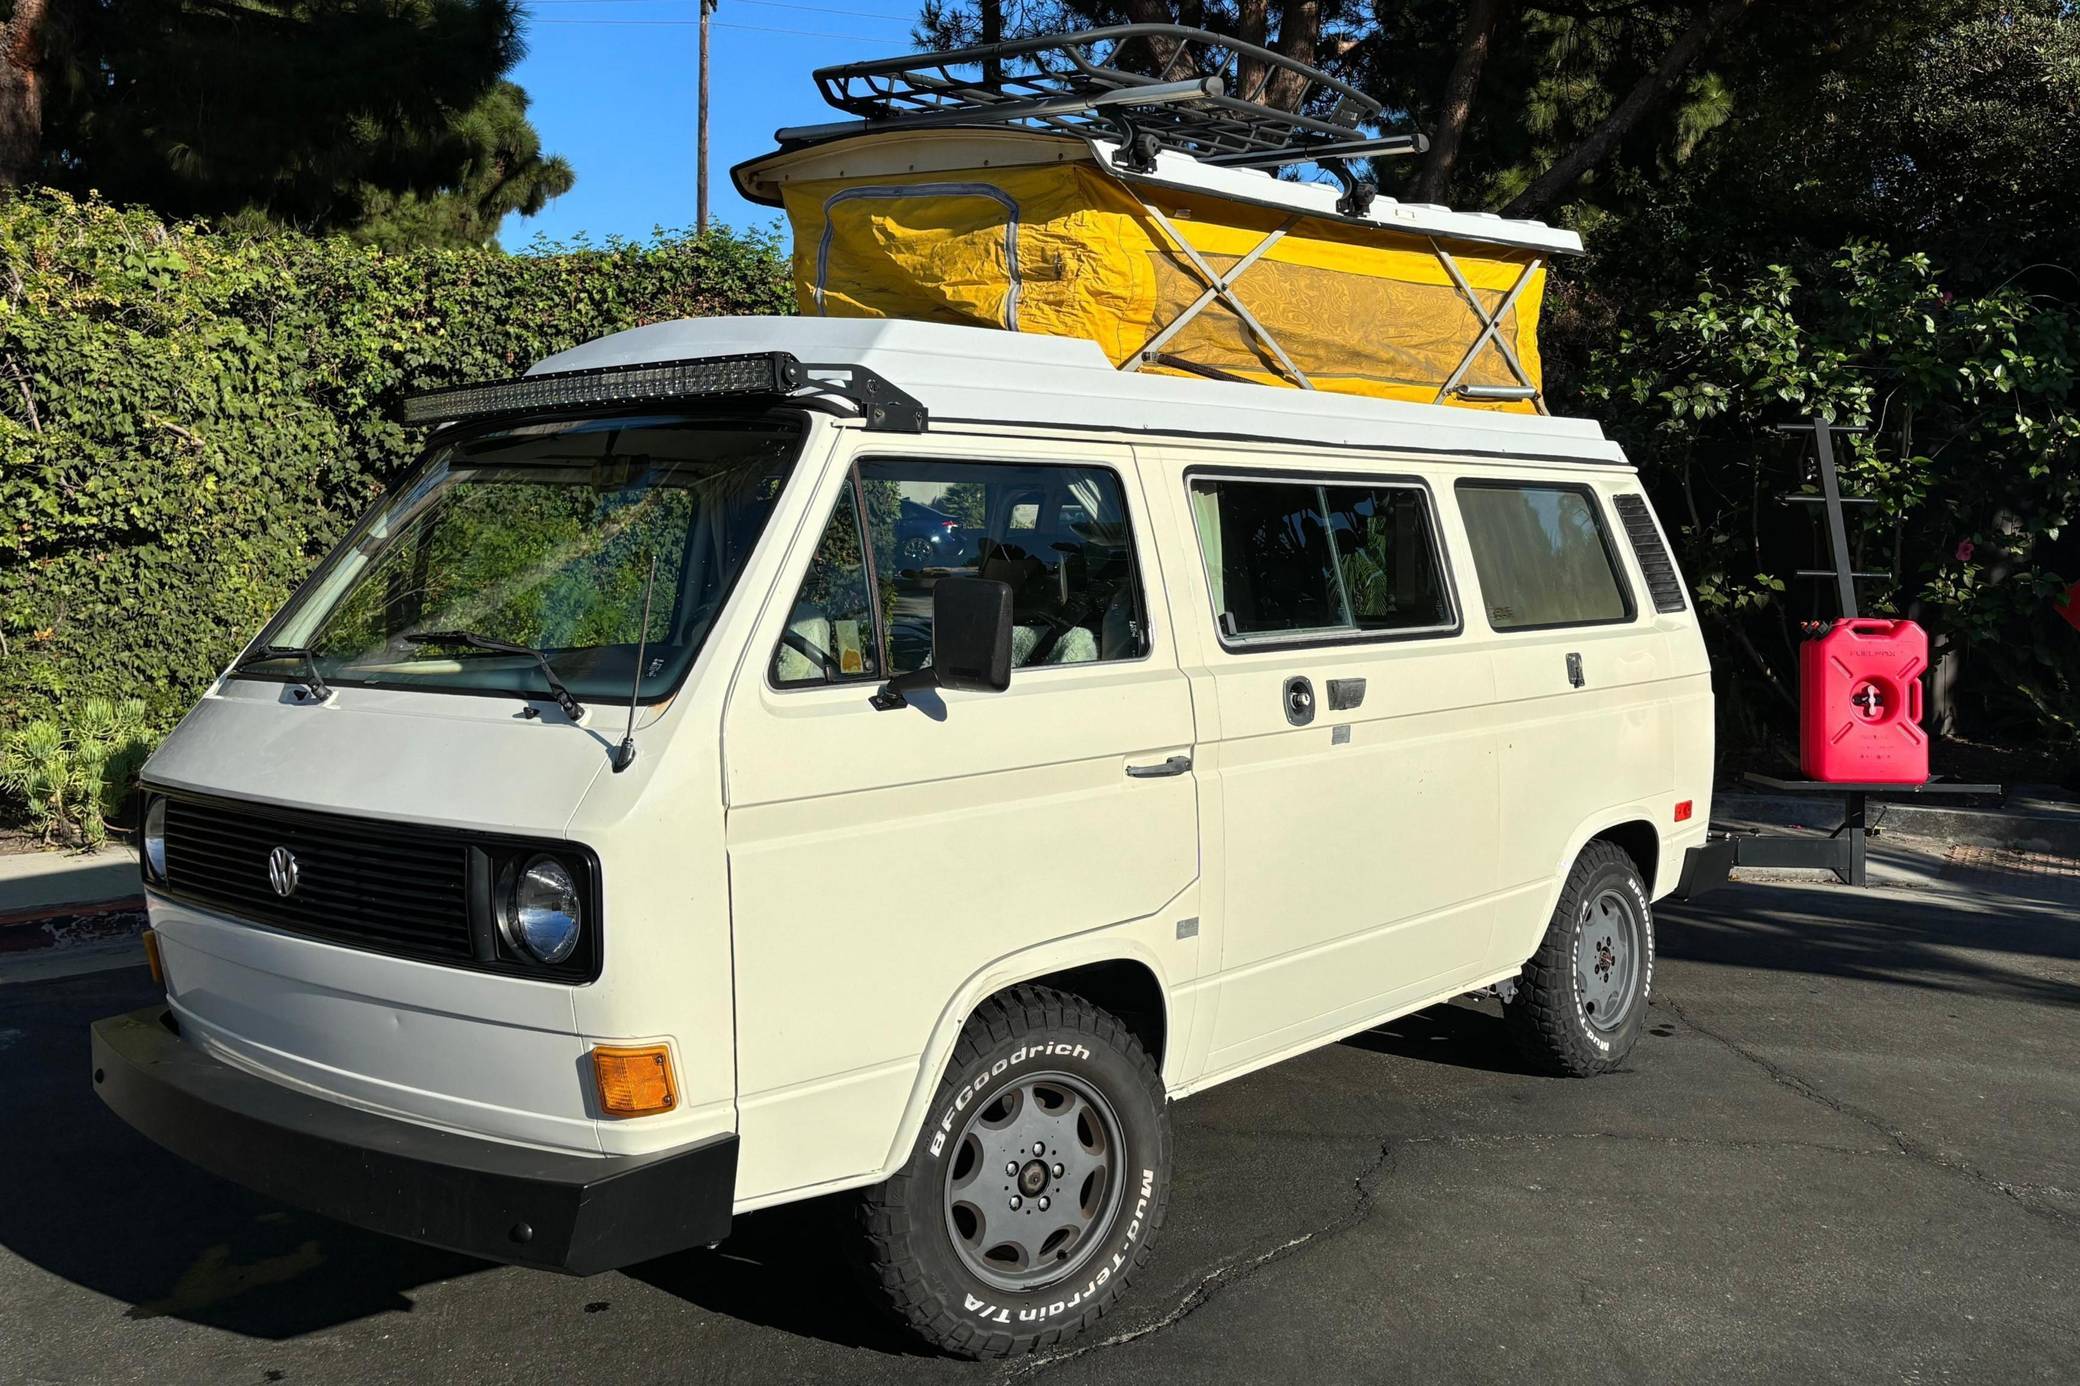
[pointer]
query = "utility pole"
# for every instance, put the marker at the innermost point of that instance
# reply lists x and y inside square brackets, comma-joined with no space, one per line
[700,224]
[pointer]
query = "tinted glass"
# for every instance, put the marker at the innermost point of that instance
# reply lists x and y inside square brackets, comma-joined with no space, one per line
[1387,555]
[547,536]
[1267,555]
[830,633]
[1542,556]
[1059,537]
[1294,558]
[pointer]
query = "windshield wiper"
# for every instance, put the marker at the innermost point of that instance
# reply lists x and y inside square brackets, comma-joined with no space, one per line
[470,640]
[320,689]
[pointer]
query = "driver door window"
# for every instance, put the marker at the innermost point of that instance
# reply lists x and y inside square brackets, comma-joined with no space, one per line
[1058,536]
[832,632]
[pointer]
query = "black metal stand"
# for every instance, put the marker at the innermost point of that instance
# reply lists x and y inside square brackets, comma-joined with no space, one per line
[1842,850]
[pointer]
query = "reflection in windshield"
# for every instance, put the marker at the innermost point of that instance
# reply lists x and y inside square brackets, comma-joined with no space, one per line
[543,537]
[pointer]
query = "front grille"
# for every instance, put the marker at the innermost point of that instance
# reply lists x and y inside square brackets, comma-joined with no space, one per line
[389,888]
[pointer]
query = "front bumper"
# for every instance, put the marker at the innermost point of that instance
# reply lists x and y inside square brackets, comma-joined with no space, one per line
[574,1213]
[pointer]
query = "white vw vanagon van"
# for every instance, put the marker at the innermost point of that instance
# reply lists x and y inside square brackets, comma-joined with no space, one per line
[753,759]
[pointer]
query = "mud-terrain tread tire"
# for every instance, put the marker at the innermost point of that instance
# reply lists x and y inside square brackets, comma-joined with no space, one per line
[1545,1017]
[894,1216]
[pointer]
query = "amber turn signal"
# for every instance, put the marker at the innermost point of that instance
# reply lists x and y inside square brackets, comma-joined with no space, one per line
[151,959]
[635,1082]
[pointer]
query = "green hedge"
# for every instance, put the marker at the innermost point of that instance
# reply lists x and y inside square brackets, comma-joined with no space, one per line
[189,419]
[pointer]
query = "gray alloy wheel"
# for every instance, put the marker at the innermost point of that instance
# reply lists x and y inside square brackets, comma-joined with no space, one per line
[1034,1185]
[1607,958]
[1581,1001]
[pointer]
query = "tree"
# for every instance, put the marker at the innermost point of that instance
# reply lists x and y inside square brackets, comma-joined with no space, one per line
[501,171]
[317,114]
[1455,111]
[24,32]
[1650,92]
[1527,91]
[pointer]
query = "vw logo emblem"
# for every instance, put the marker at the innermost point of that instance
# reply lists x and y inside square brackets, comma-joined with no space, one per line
[282,872]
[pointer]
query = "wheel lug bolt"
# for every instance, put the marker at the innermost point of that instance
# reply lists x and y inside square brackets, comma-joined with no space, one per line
[1015,1201]
[1039,1147]
[1043,1205]
[1011,1167]
[1057,1171]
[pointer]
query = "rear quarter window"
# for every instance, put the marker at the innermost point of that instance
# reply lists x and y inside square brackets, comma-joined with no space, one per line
[1543,554]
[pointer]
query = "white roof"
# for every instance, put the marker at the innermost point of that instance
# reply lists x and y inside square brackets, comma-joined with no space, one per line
[917,153]
[1319,199]
[987,375]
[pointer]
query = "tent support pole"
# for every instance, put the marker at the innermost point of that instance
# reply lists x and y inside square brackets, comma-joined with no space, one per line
[1491,327]
[1222,287]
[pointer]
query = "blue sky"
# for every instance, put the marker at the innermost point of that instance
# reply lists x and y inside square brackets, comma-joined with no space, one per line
[614,86]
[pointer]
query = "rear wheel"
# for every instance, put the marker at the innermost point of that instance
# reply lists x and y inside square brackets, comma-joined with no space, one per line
[1036,1187]
[1582,998]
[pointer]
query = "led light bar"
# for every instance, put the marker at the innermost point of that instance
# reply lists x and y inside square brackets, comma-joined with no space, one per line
[774,374]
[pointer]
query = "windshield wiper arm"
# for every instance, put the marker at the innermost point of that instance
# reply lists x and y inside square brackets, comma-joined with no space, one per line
[320,689]
[470,640]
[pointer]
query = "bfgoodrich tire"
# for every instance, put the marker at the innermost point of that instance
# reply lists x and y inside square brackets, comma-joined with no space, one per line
[1036,1187]
[1582,998]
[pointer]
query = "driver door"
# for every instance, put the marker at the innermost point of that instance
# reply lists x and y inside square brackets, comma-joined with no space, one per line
[881,861]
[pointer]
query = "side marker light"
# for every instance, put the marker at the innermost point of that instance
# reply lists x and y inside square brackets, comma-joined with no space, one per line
[634,1082]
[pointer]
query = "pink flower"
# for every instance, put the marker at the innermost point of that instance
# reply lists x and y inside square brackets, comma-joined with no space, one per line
[1964,551]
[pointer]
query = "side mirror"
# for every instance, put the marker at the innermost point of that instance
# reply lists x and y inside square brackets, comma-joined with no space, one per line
[971,642]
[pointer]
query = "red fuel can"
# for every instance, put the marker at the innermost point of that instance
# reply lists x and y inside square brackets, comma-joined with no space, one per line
[1859,690]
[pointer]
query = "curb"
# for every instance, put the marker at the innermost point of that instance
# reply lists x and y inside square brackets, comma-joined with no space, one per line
[2020,828]
[30,931]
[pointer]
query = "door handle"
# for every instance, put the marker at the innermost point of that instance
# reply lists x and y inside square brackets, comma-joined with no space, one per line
[1176,765]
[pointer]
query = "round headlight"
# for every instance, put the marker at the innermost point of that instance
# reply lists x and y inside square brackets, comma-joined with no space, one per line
[544,915]
[155,840]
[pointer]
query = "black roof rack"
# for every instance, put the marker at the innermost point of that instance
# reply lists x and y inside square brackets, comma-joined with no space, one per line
[1149,86]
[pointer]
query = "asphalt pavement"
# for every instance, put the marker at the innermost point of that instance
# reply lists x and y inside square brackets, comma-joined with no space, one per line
[1848,1148]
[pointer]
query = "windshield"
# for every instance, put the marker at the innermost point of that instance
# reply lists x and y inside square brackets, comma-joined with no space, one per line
[545,536]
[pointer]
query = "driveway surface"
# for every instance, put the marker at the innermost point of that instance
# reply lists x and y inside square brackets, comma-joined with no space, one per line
[1848,1148]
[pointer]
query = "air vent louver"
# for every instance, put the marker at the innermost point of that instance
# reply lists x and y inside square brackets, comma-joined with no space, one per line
[1660,570]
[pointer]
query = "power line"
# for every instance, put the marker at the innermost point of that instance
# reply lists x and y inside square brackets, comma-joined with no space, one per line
[763,4]
[720,24]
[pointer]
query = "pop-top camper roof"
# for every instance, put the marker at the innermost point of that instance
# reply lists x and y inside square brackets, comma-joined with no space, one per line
[1122,185]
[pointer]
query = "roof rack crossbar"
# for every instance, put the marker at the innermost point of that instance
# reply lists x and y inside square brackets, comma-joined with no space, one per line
[1008,111]
[1349,149]
[1174,87]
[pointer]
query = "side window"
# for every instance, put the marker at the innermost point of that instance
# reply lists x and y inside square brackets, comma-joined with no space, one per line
[830,632]
[1386,550]
[1059,537]
[1287,559]
[1543,555]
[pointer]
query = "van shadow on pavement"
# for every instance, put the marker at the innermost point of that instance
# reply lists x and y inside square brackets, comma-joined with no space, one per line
[778,1270]
[1941,941]
[94,1202]
[1462,1036]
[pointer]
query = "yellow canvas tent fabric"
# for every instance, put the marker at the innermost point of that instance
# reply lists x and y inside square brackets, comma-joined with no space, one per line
[1067,250]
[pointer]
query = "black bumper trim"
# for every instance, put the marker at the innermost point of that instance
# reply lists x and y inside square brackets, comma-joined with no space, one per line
[1705,868]
[573,1213]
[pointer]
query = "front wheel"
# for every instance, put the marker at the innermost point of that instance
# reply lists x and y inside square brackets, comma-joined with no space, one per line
[1582,998]
[1036,1187]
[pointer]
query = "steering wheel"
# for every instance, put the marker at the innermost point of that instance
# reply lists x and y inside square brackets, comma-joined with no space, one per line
[815,654]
